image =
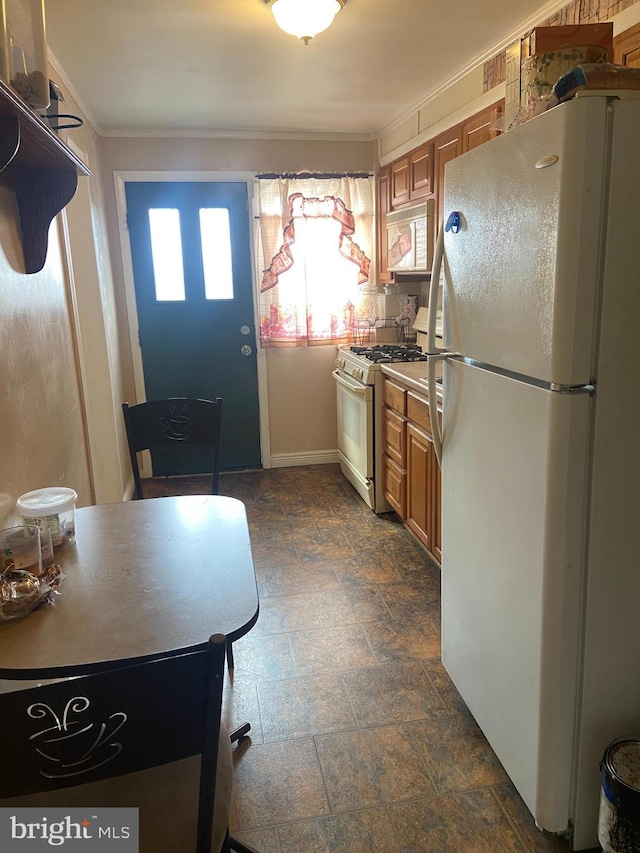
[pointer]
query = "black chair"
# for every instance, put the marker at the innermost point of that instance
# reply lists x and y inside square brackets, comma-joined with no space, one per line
[173,422]
[124,736]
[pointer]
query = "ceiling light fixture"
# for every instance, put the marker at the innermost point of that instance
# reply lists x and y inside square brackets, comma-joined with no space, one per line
[304,18]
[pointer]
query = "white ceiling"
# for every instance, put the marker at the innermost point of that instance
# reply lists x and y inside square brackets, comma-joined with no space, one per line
[225,66]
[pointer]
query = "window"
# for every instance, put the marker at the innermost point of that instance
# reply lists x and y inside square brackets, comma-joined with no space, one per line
[316,238]
[166,253]
[215,237]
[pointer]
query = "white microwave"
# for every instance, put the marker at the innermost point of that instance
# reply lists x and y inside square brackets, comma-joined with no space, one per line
[410,237]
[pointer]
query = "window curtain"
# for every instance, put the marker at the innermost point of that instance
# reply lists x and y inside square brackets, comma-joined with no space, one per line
[315,246]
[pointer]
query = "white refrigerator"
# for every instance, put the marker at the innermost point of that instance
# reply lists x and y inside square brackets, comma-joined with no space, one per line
[541,446]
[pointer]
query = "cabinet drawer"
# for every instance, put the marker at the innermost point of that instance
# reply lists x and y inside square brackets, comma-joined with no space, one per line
[395,436]
[418,411]
[395,396]
[395,486]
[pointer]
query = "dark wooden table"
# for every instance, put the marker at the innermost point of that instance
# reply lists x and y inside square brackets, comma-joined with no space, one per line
[145,579]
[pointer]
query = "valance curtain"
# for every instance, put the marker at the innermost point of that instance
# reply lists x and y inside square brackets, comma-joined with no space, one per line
[315,246]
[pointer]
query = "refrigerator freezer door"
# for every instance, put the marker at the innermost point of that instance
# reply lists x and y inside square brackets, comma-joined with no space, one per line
[522,271]
[514,487]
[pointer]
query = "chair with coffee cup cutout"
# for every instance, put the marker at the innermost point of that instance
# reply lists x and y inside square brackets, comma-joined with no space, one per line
[178,423]
[136,734]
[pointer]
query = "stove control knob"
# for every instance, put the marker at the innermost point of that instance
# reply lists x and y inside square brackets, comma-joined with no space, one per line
[340,363]
[359,373]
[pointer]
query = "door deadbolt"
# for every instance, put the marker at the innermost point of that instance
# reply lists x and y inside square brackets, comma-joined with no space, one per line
[245,330]
[246,350]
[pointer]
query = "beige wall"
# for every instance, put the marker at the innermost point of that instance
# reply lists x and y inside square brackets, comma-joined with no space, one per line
[104,364]
[302,401]
[300,388]
[60,365]
[42,434]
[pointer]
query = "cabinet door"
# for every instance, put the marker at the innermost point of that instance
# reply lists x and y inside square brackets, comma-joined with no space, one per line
[447,147]
[478,128]
[420,484]
[626,47]
[400,181]
[383,207]
[421,171]
[394,436]
[395,486]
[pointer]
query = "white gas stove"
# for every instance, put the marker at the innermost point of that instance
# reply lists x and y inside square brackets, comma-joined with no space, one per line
[359,382]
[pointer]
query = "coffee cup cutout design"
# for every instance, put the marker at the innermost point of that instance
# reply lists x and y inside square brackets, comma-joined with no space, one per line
[176,425]
[71,747]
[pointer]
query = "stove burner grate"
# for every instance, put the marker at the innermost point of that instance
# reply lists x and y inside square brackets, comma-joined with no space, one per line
[388,353]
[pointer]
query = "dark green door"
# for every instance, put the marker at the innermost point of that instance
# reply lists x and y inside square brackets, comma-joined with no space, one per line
[190,245]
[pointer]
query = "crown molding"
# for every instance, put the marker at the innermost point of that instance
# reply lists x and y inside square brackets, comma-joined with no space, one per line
[544,12]
[248,134]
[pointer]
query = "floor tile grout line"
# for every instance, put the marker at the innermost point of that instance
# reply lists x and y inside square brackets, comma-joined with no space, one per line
[383,806]
[514,828]
[257,690]
[416,746]
[329,816]
[435,689]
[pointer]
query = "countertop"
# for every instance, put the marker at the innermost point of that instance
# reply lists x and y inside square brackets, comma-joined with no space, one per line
[413,374]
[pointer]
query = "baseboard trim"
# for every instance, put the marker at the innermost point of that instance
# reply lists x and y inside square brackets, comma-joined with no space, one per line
[315,457]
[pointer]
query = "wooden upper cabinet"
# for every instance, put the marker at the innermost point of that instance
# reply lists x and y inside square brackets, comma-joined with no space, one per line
[447,146]
[383,207]
[479,128]
[626,47]
[400,181]
[421,171]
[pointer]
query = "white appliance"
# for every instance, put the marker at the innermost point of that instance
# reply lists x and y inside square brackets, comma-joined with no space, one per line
[410,233]
[540,448]
[360,405]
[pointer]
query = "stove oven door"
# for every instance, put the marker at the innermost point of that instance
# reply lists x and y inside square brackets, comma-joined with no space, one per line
[355,433]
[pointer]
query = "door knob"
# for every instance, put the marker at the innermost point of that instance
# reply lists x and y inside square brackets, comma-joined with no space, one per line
[246,350]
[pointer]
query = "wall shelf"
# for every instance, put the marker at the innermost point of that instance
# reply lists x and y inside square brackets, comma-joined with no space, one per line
[39,168]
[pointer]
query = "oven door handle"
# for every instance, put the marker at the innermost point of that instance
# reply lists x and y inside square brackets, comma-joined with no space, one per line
[356,387]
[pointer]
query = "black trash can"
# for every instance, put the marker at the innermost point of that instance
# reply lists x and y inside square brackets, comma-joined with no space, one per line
[619,820]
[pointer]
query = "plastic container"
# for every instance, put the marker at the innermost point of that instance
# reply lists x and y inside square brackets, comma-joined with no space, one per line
[619,818]
[23,50]
[55,508]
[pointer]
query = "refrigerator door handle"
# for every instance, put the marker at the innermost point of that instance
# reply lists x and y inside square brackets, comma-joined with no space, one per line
[436,432]
[434,284]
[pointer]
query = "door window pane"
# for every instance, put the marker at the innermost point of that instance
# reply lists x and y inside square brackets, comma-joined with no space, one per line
[215,236]
[166,251]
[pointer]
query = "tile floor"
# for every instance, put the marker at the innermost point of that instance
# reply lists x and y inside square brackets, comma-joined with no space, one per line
[360,743]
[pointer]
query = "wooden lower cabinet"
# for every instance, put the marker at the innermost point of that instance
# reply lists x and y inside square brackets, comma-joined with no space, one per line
[421,494]
[395,486]
[411,471]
